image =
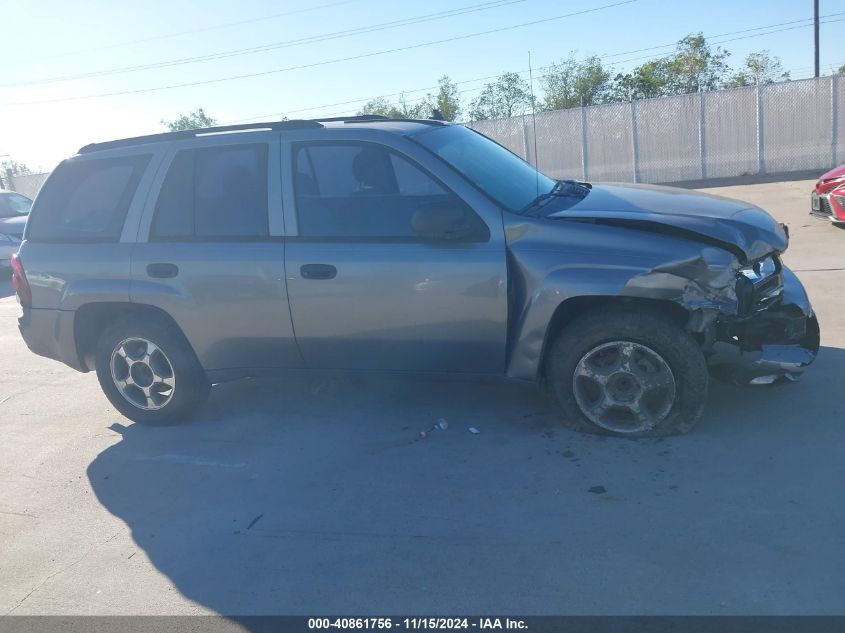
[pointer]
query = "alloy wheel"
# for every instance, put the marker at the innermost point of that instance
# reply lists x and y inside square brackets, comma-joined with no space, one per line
[624,387]
[142,373]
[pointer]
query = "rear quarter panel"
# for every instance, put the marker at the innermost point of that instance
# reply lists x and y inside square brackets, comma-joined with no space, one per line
[64,276]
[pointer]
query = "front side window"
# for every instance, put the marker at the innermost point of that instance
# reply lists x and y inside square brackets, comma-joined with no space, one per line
[86,200]
[365,190]
[214,193]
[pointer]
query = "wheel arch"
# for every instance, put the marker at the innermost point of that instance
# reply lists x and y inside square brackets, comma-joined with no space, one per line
[570,309]
[91,319]
[574,307]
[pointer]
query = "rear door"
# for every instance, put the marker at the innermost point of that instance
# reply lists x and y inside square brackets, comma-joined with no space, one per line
[365,291]
[211,252]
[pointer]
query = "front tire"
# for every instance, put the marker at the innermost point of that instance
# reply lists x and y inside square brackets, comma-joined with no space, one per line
[149,372]
[627,372]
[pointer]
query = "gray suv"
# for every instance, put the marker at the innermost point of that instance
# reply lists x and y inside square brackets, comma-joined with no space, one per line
[168,263]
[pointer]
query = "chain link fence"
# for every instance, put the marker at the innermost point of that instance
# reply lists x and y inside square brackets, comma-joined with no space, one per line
[25,184]
[776,128]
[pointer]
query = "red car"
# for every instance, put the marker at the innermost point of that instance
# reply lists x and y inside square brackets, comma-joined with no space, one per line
[828,199]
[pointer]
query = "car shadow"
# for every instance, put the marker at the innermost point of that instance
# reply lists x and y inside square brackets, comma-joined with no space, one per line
[747,179]
[316,494]
[6,287]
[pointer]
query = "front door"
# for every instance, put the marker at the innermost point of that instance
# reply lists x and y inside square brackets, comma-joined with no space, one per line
[366,291]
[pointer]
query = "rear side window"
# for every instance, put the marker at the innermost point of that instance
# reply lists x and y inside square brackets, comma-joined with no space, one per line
[214,193]
[86,200]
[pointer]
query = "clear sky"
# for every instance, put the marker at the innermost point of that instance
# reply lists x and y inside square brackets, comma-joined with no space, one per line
[50,39]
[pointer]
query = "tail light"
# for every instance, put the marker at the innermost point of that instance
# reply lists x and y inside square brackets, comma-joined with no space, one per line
[20,283]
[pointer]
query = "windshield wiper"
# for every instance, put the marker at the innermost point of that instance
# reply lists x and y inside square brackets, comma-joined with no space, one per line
[562,188]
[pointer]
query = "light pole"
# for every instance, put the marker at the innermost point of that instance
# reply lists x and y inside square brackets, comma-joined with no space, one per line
[2,186]
[816,33]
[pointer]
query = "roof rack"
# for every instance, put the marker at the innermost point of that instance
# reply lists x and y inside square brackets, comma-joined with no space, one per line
[171,136]
[365,118]
[358,117]
[297,124]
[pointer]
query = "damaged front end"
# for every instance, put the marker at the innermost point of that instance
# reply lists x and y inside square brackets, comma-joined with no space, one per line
[717,259]
[776,337]
[754,321]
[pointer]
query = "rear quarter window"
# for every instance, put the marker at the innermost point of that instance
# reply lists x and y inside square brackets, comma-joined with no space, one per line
[86,200]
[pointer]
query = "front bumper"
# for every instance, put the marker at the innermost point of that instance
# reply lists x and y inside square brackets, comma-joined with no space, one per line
[828,207]
[780,341]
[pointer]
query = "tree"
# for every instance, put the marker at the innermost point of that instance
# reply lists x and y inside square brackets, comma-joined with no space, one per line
[402,110]
[646,81]
[192,121]
[447,100]
[379,106]
[695,66]
[14,168]
[841,70]
[759,68]
[572,83]
[507,96]
[9,169]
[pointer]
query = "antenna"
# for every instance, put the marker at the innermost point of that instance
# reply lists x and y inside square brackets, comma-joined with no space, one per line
[534,122]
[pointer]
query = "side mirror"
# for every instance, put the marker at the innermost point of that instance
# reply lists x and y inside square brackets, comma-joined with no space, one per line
[446,223]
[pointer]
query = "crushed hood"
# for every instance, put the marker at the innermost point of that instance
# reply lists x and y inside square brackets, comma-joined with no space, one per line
[744,229]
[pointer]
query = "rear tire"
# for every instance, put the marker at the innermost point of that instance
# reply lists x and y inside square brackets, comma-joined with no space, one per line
[149,372]
[627,372]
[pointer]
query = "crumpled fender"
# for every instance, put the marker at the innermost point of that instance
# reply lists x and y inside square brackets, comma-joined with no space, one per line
[551,263]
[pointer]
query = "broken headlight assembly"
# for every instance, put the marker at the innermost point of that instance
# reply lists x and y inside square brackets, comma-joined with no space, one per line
[758,285]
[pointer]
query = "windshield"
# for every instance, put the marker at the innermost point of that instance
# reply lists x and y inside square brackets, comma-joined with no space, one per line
[13,205]
[500,174]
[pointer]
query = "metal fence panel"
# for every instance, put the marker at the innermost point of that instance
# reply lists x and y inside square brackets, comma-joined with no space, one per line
[777,128]
[508,132]
[668,139]
[609,142]
[730,133]
[29,184]
[838,118]
[558,143]
[796,125]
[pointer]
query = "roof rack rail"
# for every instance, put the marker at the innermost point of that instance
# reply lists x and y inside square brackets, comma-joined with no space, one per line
[297,124]
[357,117]
[366,118]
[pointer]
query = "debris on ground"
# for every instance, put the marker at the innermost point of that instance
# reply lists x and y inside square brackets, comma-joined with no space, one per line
[254,521]
[597,490]
[473,430]
[440,425]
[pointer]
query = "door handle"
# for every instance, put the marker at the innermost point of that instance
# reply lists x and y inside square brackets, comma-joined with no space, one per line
[162,271]
[318,271]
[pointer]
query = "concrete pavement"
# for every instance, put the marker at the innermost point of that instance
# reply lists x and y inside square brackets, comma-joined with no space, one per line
[313,495]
